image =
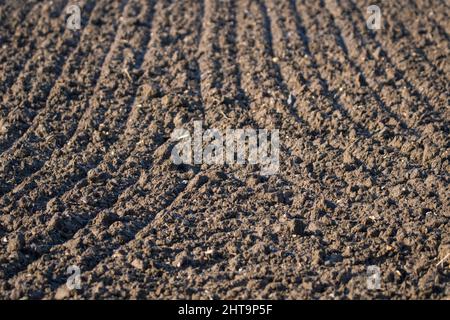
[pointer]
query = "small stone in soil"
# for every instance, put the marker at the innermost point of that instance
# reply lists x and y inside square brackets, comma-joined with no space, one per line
[138,264]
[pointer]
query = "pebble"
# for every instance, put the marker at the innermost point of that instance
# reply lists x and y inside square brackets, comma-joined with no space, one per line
[138,264]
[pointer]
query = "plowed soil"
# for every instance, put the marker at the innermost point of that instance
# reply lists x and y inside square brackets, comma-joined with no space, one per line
[86,177]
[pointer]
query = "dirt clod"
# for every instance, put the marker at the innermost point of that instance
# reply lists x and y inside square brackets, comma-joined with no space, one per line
[181,260]
[16,243]
[138,264]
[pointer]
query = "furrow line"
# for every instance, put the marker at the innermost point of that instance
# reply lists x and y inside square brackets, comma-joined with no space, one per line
[142,152]
[31,36]
[53,129]
[40,75]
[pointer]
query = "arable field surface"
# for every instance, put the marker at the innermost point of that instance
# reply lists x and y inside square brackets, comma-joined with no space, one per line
[87,178]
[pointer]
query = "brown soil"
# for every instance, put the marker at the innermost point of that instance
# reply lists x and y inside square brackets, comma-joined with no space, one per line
[86,177]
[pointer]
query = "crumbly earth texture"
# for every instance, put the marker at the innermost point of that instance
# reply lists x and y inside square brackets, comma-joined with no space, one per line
[87,179]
